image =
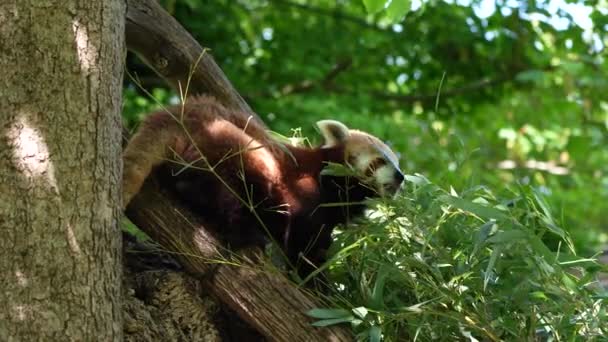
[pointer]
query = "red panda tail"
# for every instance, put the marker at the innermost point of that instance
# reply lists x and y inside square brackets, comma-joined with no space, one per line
[148,148]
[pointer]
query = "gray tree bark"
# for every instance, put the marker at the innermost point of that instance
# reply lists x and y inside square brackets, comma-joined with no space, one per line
[61,65]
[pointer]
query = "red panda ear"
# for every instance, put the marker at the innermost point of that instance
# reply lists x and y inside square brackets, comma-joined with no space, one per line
[334,132]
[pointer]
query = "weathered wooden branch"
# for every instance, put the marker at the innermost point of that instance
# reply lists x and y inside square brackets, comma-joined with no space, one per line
[267,301]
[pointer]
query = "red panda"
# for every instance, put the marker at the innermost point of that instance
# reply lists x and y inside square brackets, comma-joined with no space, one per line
[220,163]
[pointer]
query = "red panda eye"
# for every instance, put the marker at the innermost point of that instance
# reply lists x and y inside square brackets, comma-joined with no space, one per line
[377,163]
[374,165]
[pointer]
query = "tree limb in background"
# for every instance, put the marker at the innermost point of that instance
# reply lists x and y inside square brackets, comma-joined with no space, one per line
[269,302]
[477,85]
[325,83]
[469,87]
[549,166]
[336,14]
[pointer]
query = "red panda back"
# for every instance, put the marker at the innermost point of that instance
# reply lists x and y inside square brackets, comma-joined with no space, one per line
[197,130]
[219,162]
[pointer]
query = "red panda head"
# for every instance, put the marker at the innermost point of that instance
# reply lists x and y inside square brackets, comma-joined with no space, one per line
[374,163]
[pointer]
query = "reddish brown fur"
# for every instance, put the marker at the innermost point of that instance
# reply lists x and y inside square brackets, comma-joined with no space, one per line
[284,181]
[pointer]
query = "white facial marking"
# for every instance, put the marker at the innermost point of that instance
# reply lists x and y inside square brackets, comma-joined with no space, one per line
[384,175]
[363,161]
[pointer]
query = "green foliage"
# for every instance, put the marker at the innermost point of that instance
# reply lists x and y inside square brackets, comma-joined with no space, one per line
[373,6]
[395,9]
[437,265]
[136,106]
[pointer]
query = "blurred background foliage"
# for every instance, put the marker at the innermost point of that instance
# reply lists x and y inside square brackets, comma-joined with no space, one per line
[469,92]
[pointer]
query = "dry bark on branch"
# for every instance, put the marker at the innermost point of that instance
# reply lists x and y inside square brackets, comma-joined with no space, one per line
[267,301]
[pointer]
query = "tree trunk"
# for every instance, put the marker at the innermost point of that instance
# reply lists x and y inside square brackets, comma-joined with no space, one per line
[60,172]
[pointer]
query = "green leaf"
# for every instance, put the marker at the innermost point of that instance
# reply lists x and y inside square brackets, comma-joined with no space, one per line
[541,248]
[193,4]
[417,179]
[416,307]
[474,208]
[377,298]
[482,235]
[356,322]
[548,218]
[533,76]
[495,254]
[509,236]
[397,9]
[326,322]
[360,311]
[375,334]
[573,67]
[539,295]
[373,6]
[328,313]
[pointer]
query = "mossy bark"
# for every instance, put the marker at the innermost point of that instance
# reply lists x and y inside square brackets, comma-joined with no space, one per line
[61,65]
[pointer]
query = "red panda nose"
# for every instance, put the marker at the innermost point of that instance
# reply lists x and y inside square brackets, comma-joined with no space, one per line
[399,176]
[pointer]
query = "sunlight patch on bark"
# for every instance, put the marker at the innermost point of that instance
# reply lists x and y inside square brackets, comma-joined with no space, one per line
[87,52]
[20,312]
[74,246]
[21,278]
[207,250]
[30,152]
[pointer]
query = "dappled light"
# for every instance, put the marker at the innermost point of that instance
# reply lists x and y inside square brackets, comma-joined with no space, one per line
[30,151]
[22,280]
[86,50]
[72,241]
[21,312]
